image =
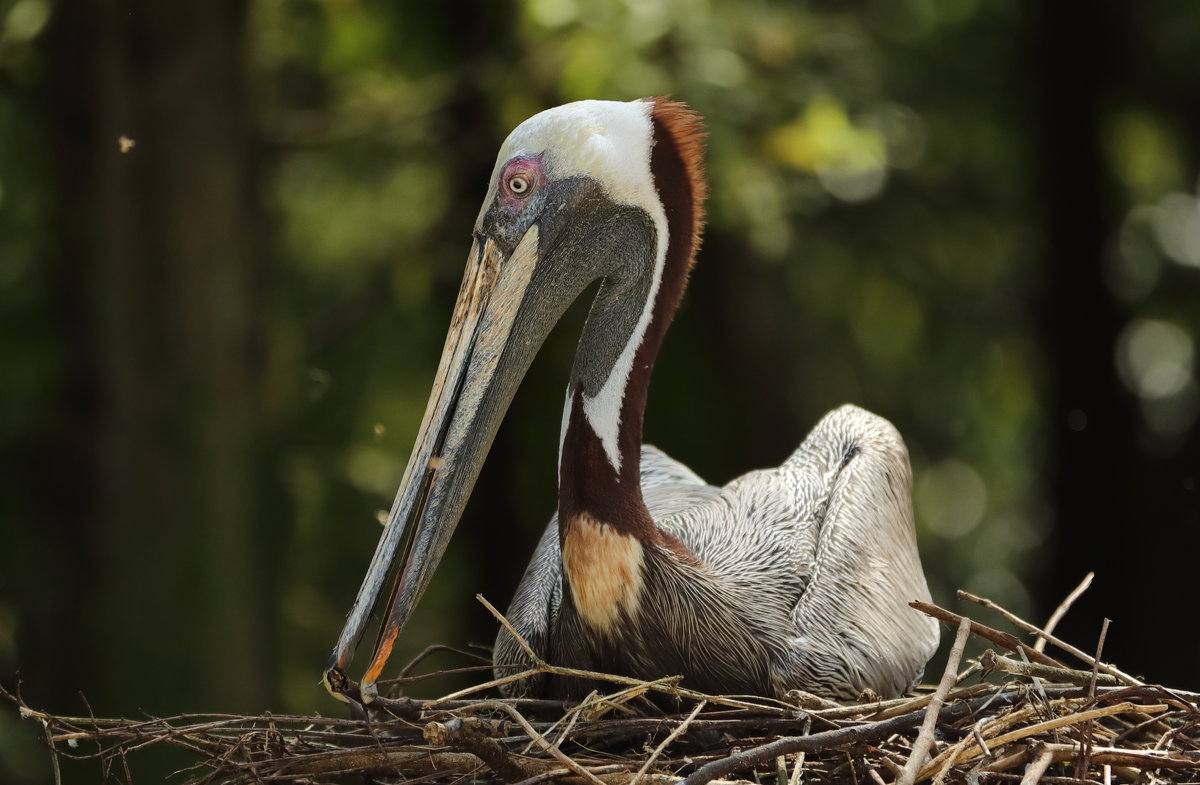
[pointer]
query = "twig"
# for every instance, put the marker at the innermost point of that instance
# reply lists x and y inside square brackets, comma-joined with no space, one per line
[1027,627]
[925,737]
[1004,775]
[990,660]
[546,746]
[520,639]
[665,685]
[434,649]
[940,777]
[997,637]
[867,733]
[675,734]
[53,752]
[1035,770]
[1145,759]
[987,753]
[463,735]
[1041,727]
[1061,610]
[905,705]
[1085,740]
[798,769]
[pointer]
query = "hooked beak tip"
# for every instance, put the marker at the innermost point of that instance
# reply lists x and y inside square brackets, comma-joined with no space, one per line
[338,684]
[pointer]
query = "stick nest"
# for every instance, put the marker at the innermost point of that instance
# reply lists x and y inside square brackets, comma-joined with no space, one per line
[1020,716]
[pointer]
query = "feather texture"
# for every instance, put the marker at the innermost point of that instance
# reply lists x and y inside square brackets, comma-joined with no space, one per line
[801,579]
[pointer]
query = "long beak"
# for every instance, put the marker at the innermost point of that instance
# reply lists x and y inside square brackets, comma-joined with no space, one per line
[481,366]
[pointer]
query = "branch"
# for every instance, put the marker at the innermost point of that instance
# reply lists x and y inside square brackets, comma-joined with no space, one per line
[925,737]
[997,637]
[463,733]
[1063,607]
[1019,622]
[990,661]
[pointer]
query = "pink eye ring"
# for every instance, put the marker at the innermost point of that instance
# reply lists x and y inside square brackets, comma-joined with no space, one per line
[522,177]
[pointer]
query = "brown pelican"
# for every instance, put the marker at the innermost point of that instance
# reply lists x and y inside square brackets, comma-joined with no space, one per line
[796,577]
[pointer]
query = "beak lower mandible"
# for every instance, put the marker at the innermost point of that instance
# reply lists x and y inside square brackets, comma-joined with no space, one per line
[477,376]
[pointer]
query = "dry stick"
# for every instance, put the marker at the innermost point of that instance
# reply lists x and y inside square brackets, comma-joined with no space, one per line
[925,737]
[952,753]
[53,753]
[987,753]
[990,660]
[905,705]
[853,734]
[1061,610]
[799,767]
[553,774]
[664,685]
[572,716]
[997,637]
[369,760]
[1035,770]
[1027,627]
[546,746]
[461,735]
[1081,764]
[1040,727]
[675,734]
[886,759]
[1146,725]
[867,733]
[1144,759]
[1004,775]
[599,705]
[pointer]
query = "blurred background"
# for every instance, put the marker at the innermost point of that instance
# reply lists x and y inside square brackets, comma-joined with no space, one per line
[231,233]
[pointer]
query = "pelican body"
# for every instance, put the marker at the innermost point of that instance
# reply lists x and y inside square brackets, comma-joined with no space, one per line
[797,577]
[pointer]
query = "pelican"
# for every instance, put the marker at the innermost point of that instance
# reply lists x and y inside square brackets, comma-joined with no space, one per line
[796,577]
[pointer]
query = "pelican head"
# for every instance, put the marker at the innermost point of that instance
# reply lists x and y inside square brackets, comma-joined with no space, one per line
[586,191]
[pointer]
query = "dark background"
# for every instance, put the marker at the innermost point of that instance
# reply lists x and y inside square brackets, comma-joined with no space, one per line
[978,218]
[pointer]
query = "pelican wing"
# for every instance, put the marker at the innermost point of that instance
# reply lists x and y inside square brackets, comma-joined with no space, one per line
[852,627]
[804,570]
[808,567]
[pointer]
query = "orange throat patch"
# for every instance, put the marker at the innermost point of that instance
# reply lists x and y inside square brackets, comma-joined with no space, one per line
[604,569]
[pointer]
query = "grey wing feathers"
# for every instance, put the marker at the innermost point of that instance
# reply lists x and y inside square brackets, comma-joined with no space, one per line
[670,488]
[866,568]
[822,548]
[533,613]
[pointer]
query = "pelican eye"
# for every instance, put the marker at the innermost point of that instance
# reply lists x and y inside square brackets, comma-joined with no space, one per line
[519,185]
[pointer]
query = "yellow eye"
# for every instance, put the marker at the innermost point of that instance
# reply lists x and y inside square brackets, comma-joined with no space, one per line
[519,185]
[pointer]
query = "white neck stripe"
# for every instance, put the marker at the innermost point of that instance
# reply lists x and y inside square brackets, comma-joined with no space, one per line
[603,411]
[609,142]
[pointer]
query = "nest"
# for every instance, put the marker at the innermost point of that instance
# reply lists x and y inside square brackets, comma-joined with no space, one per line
[1021,716]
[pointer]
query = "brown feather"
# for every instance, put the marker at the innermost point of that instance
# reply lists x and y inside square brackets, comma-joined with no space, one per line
[687,131]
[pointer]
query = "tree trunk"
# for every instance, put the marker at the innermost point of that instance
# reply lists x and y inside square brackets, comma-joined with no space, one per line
[156,277]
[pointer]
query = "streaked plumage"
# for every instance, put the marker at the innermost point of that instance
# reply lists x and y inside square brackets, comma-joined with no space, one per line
[804,576]
[797,577]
